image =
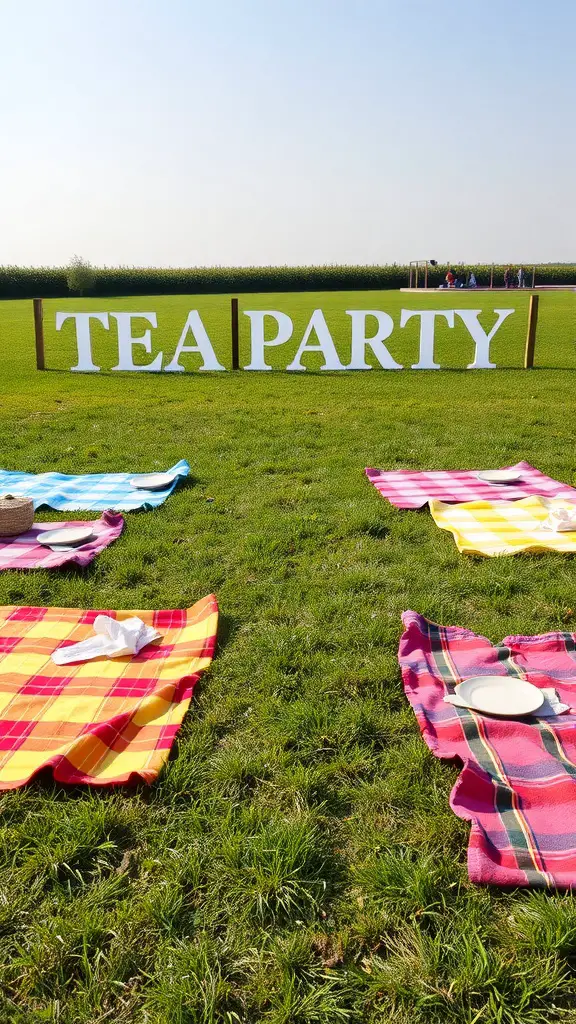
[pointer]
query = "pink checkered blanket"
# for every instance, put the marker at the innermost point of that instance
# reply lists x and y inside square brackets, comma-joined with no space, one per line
[411,488]
[24,552]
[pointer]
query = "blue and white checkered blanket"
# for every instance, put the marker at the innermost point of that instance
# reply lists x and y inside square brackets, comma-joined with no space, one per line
[87,491]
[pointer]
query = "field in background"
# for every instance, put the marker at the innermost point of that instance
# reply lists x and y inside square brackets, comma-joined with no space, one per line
[298,862]
[44,282]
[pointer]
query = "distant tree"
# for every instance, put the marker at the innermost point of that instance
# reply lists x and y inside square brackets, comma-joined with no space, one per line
[81,275]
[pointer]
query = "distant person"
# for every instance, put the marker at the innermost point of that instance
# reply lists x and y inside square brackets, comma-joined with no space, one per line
[472,280]
[450,279]
[521,278]
[507,277]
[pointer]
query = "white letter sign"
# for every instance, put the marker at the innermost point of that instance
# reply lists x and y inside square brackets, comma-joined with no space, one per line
[325,344]
[83,340]
[126,341]
[257,342]
[482,340]
[360,341]
[203,346]
[427,322]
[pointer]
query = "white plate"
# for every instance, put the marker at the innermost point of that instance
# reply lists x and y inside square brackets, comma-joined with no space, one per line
[500,476]
[69,536]
[152,481]
[500,695]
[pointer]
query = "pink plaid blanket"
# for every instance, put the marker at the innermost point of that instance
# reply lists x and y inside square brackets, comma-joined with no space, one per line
[24,552]
[518,783]
[410,488]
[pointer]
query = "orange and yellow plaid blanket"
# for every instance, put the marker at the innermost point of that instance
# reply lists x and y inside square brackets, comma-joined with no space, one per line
[99,722]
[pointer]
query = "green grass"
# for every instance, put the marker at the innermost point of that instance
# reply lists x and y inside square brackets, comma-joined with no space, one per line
[556,342]
[297,861]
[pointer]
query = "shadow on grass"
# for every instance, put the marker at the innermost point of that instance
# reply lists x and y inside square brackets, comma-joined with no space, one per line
[123,374]
[378,531]
[43,783]
[227,630]
[280,370]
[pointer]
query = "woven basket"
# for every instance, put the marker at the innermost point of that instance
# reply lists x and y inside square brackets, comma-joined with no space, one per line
[16,515]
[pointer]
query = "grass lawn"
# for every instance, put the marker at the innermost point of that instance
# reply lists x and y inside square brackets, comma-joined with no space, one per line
[297,862]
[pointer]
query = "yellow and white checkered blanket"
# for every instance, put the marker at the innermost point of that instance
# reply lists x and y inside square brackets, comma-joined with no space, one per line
[504,527]
[98,722]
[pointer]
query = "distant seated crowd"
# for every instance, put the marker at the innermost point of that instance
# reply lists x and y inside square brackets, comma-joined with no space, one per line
[463,279]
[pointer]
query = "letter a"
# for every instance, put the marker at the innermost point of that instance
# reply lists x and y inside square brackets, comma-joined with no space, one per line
[203,346]
[325,345]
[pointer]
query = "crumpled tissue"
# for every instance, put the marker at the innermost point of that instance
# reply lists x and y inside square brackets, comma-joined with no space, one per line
[112,639]
[561,520]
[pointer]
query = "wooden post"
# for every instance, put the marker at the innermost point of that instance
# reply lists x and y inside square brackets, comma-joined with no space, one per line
[533,276]
[39,333]
[492,276]
[531,336]
[235,336]
[426,274]
[410,284]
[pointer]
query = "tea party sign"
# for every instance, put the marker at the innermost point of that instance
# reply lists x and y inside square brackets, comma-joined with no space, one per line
[270,328]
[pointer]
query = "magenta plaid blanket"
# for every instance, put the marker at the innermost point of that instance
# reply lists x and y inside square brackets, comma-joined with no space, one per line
[518,782]
[410,488]
[24,552]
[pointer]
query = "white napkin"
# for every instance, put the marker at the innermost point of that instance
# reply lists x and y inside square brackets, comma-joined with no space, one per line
[552,704]
[112,639]
[561,520]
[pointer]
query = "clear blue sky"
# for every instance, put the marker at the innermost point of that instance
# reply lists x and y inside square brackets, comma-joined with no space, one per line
[178,132]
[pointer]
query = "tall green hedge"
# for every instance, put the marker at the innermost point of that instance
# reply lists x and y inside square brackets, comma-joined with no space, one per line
[50,282]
